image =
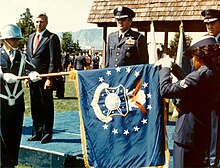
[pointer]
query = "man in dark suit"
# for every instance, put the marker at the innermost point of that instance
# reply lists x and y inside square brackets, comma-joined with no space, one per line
[212,21]
[80,61]
[197,92]
[125,46]
[44,49]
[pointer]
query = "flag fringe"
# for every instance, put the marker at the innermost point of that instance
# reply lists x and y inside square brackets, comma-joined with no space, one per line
[82,129]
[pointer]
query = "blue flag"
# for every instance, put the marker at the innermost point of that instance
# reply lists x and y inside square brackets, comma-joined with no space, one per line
[121,117]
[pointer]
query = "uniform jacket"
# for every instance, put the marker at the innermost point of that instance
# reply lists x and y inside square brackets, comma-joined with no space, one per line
[47,57]
[8,67]
[131,50]
[197,92]
[79,62]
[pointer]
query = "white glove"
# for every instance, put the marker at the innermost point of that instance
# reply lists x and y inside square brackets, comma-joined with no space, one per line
[165,62]
[34,76]
[9,77]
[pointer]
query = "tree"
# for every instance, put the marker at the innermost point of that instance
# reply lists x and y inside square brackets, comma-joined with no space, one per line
[175,41]
[26,25]
[67,44]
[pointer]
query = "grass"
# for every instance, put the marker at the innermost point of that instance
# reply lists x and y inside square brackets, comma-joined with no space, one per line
[68,103]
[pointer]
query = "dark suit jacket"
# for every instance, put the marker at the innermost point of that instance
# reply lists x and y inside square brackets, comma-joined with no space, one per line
[47,57]
[79,62]
[197,92]
[131,50]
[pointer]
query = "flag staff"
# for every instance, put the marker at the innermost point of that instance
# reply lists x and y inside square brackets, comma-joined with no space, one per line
[70,73]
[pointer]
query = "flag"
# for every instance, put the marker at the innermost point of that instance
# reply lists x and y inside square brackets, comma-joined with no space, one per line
[182,62]
[121,117]
[181,46]
[152,49]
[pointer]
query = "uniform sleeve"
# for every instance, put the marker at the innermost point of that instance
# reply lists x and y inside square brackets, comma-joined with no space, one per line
[181,88]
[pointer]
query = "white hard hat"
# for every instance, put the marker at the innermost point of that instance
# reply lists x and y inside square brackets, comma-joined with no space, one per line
[10,31]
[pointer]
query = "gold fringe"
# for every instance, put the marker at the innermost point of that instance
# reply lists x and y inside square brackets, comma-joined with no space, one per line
[82,129]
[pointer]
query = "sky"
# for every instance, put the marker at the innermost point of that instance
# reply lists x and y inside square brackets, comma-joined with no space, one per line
[63,15]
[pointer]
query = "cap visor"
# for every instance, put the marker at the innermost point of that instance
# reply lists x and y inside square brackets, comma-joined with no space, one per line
[121,17]
[210,20]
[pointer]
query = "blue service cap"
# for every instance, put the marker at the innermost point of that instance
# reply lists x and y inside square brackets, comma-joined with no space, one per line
[211,15]
[123,12]
[207,49]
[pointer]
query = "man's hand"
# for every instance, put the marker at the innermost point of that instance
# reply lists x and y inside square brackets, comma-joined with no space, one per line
[48,84]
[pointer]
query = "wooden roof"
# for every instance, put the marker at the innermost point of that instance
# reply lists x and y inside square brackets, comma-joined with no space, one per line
[166,14]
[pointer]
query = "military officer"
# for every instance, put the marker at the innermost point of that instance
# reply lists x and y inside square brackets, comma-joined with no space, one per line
[212,21]
[197,91]
[125,46]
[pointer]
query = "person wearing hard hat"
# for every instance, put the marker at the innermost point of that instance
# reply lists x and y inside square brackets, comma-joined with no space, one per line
[12,64]
[212,22]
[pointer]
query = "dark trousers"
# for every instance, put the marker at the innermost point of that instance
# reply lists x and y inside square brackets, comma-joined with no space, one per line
[10,136]
[188,156]
[42,109]
[214,154]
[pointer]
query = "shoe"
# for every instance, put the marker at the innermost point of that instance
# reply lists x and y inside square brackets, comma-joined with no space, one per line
[34,138]
[46,139]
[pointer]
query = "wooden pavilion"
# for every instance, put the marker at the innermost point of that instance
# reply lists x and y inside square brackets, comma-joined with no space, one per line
[166,15]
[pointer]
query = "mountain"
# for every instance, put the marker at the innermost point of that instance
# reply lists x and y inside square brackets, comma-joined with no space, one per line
[88,38]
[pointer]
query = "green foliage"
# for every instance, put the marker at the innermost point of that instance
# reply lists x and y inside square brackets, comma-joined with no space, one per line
[26,25]
[175,41]
[69,103]
[67,44]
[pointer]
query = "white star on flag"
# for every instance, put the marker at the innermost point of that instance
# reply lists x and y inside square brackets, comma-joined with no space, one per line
[118,69]
[115,131]
[101,79]
[149,107]
[105,126]
[108,73]
[128,69]
[126,132]
[145,84]
[137,73]
[136,128]
[149,95]
[144,121]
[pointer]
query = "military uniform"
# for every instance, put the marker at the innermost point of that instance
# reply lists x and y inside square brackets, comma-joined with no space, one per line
[131,48]
[11,115]
[212,15]
[197,92]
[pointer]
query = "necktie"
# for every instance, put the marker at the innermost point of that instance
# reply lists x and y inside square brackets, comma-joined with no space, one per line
[11,55]
[120,37]
[36,42]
